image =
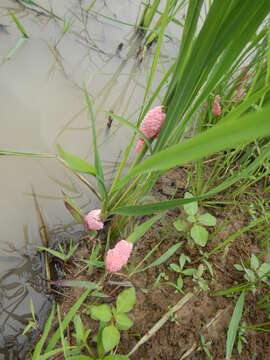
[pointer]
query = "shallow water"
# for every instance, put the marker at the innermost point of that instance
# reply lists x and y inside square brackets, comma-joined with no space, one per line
[42,104]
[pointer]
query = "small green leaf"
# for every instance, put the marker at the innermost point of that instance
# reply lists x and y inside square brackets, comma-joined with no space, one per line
[75,162]
[199,234]
[264,269]
[180,282]
[29,326]
[80,357]
[234,323]
[189,272]
[191,219]
[249,276]
[116,357]
[179,225]
[123,321]
[79,329]
[126,300]
[101,312]
[254,262]
[191,208]
[182,260]
[238,267]
[175,267]
[207,220]
[110,337]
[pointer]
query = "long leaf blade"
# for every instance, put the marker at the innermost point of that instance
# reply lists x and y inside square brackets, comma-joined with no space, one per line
[234,323]
[75,162]
[219,137]
[98,165]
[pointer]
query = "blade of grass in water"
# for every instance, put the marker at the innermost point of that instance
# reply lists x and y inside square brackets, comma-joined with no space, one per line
[75,162]
[18,24]
[98,165]
[13,50]
[25,153]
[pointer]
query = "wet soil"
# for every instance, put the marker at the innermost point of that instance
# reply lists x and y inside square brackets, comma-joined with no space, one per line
[204,315]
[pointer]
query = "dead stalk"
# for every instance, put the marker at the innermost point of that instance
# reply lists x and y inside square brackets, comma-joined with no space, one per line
[161,322]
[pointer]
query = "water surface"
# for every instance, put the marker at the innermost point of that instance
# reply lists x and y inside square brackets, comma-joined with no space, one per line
[42,104]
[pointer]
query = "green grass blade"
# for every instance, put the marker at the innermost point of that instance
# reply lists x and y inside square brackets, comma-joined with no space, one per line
[72,208]
[75,283]
[56,336]
[40,344]
[98,165]
[219,137]
[157,52]
[164,257]
[15,47]
[140,210]
[63,340]
[140,230]
[18,24]
[50,354]
[75,162]
[234,323]
[58,254]
[7,152]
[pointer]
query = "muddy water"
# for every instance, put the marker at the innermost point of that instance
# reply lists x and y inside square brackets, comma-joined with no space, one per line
[42,104]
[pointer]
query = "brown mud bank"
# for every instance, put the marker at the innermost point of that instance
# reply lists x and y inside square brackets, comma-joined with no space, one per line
[203,316]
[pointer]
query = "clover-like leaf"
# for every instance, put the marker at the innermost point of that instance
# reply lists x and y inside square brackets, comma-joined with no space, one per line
[207,220]
[264,270]
[180,225]
[101,312]
[123,321]
[110,337]
[126,300]
[199,234]
[254,262]
[190,208]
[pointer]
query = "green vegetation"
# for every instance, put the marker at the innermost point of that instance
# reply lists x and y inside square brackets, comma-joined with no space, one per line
[223,159]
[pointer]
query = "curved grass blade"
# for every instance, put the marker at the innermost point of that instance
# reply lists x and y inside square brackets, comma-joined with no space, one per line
[72,208]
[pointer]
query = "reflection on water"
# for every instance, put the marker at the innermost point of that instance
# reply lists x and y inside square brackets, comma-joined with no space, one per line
[21,280]
[42,104]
